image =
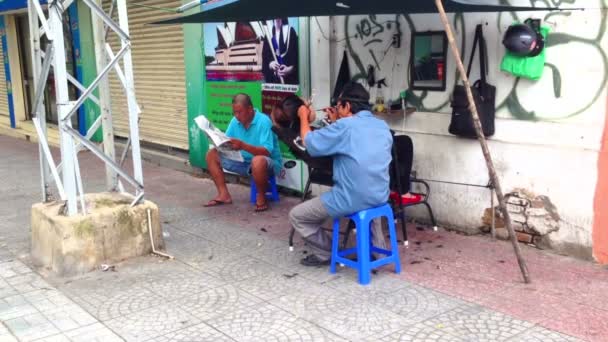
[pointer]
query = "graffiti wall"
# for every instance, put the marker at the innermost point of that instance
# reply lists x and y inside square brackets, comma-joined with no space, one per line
[548,131]
[574,52]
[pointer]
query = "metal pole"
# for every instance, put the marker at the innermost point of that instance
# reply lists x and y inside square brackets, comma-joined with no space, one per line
[82,88]
[36,67]
[42,78]
[124,35]
[79,147]
[105,103]
[482,141]
[83,204]
[63,106]
[110,14]
[130,91]
[102,75]
[42,18]
[119,73]
[91,146]
[190,5]
[49,157]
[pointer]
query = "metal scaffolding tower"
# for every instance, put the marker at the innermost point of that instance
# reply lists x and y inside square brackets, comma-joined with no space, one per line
[67,175]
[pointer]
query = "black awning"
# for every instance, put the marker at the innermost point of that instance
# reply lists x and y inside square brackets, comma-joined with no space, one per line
[253,10]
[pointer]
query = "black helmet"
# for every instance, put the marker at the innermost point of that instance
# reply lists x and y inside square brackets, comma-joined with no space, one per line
[524,40]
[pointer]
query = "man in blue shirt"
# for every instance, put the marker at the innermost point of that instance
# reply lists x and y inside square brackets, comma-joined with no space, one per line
[251,133]
[360,146]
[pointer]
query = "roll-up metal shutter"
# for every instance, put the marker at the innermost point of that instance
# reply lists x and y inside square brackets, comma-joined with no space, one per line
[159,73]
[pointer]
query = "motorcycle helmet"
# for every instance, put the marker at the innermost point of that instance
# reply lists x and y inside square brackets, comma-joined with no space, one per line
[524,40]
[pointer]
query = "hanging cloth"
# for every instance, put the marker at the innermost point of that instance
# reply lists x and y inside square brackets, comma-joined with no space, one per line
[526,67]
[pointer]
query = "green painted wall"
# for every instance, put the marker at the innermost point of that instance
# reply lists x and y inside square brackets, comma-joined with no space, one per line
[195,83]
[89,67]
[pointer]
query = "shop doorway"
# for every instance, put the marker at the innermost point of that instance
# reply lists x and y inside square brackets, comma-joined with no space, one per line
[50,104]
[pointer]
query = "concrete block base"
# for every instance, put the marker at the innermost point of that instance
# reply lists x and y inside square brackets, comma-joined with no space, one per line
[112,231]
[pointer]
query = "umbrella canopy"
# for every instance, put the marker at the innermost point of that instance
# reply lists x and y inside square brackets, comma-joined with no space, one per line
[253,10]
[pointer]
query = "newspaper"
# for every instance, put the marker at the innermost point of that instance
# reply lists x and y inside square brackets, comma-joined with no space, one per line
[218,139]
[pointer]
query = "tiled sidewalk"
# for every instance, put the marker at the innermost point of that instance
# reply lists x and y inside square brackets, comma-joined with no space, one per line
[234,279]
[31,309]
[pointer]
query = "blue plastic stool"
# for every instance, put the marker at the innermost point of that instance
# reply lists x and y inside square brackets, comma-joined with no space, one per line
[364,248]
[272,193]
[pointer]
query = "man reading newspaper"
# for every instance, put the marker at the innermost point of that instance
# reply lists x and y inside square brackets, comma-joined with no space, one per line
[250,133]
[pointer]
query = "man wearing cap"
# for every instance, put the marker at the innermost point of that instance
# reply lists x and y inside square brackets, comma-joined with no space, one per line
[360,146]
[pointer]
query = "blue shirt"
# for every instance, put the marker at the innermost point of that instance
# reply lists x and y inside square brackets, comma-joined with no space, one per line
[361,148]
[258,134]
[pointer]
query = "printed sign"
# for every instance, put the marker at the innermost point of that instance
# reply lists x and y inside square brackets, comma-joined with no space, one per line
[259,59]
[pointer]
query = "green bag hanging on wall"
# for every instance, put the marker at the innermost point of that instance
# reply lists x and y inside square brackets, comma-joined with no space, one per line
[526,67]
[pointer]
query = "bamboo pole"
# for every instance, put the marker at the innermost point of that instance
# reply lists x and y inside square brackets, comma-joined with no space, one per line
[482,141]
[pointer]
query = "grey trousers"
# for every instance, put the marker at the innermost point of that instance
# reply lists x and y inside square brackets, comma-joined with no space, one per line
[307,219]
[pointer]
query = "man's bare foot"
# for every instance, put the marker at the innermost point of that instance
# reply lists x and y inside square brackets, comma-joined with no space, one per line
[259,207]
[216,202]
[260,203]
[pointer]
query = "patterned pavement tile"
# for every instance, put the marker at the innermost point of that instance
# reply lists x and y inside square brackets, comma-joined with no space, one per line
[55,338]
[5,254]
[106,306]
[539,334]
[5,334]
[13,268]
[284,261]
[419,333]
[47,299]
[226,235]
[216,302]
[268,324]
[174,284]
[31,327]
[137,285]
[341,314]
[275,284]
[316,275]
[6,290]
[198,252]
[108,283]
[416,303]
[474,322]
[93,333]
[152,323]
[198,333]
[382,282]
[412,302]
[279,256]
[240,269]
[170,214]
[28,282]
[69,317]
[168,278]
[14,307]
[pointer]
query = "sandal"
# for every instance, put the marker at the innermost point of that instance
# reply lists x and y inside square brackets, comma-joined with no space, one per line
[261,207]
[215,203]
[315,261]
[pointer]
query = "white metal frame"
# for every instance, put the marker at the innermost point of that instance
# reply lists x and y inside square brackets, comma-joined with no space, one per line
[67,175]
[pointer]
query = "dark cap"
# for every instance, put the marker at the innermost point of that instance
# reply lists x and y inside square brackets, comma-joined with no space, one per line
[354,92]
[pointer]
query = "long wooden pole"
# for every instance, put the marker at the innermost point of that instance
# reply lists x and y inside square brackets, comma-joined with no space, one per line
[483,142]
